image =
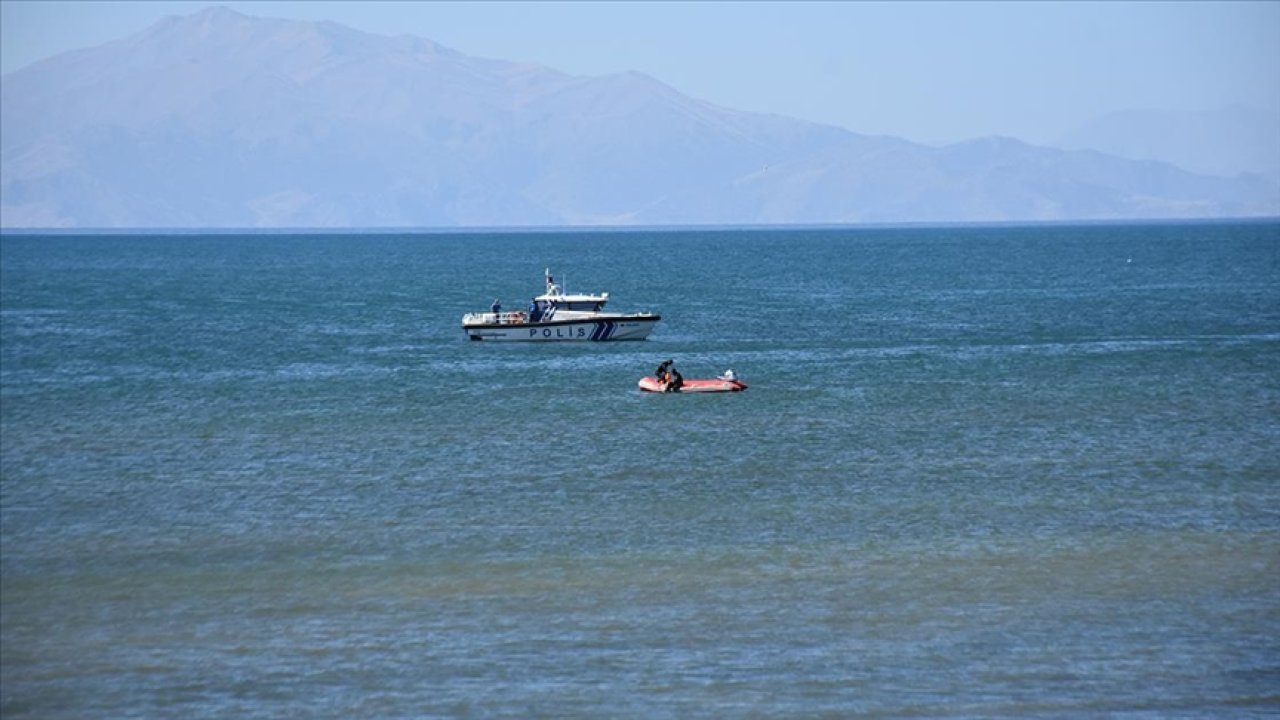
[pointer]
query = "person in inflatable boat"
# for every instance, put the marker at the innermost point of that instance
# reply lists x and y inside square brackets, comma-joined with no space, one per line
[673,379]
[670,378]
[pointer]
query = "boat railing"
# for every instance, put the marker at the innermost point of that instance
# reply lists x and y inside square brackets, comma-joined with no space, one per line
[488,318]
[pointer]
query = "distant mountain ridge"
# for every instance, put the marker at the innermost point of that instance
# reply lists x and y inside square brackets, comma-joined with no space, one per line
[217,119]
[1225,142]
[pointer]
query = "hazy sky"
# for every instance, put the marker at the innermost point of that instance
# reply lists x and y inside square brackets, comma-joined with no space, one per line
[929,72]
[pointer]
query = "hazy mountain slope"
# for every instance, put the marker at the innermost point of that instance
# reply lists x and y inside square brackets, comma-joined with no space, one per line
[222,120]
[992,179]
[1225,142]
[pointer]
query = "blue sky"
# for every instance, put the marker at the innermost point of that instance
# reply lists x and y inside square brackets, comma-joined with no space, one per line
[929,72]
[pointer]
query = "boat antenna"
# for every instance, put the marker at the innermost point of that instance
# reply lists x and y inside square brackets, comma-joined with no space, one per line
[551,284]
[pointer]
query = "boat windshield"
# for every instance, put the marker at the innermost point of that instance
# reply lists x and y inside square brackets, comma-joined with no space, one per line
[580,305]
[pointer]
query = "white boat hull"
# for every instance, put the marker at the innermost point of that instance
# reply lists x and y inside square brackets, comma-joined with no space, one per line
[601,329]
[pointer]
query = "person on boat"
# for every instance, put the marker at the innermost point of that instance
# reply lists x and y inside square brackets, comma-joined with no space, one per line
[729,375]
[496,309]
[661,372]
[674,380]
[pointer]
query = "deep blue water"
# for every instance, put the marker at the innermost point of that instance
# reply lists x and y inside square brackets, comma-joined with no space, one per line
[979,472]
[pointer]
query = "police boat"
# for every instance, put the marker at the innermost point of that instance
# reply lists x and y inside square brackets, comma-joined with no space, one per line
[559,316]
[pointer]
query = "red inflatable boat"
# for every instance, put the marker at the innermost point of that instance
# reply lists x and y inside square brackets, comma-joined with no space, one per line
[650,383]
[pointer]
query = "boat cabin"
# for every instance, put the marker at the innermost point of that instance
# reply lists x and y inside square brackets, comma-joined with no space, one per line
[554,301]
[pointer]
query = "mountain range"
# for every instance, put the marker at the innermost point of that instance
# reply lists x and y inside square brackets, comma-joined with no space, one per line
[1225,141]
[218,120]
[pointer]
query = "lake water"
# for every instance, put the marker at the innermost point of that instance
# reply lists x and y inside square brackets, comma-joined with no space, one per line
[979,472]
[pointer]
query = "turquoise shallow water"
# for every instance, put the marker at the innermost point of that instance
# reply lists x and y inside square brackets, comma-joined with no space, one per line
[980,471]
